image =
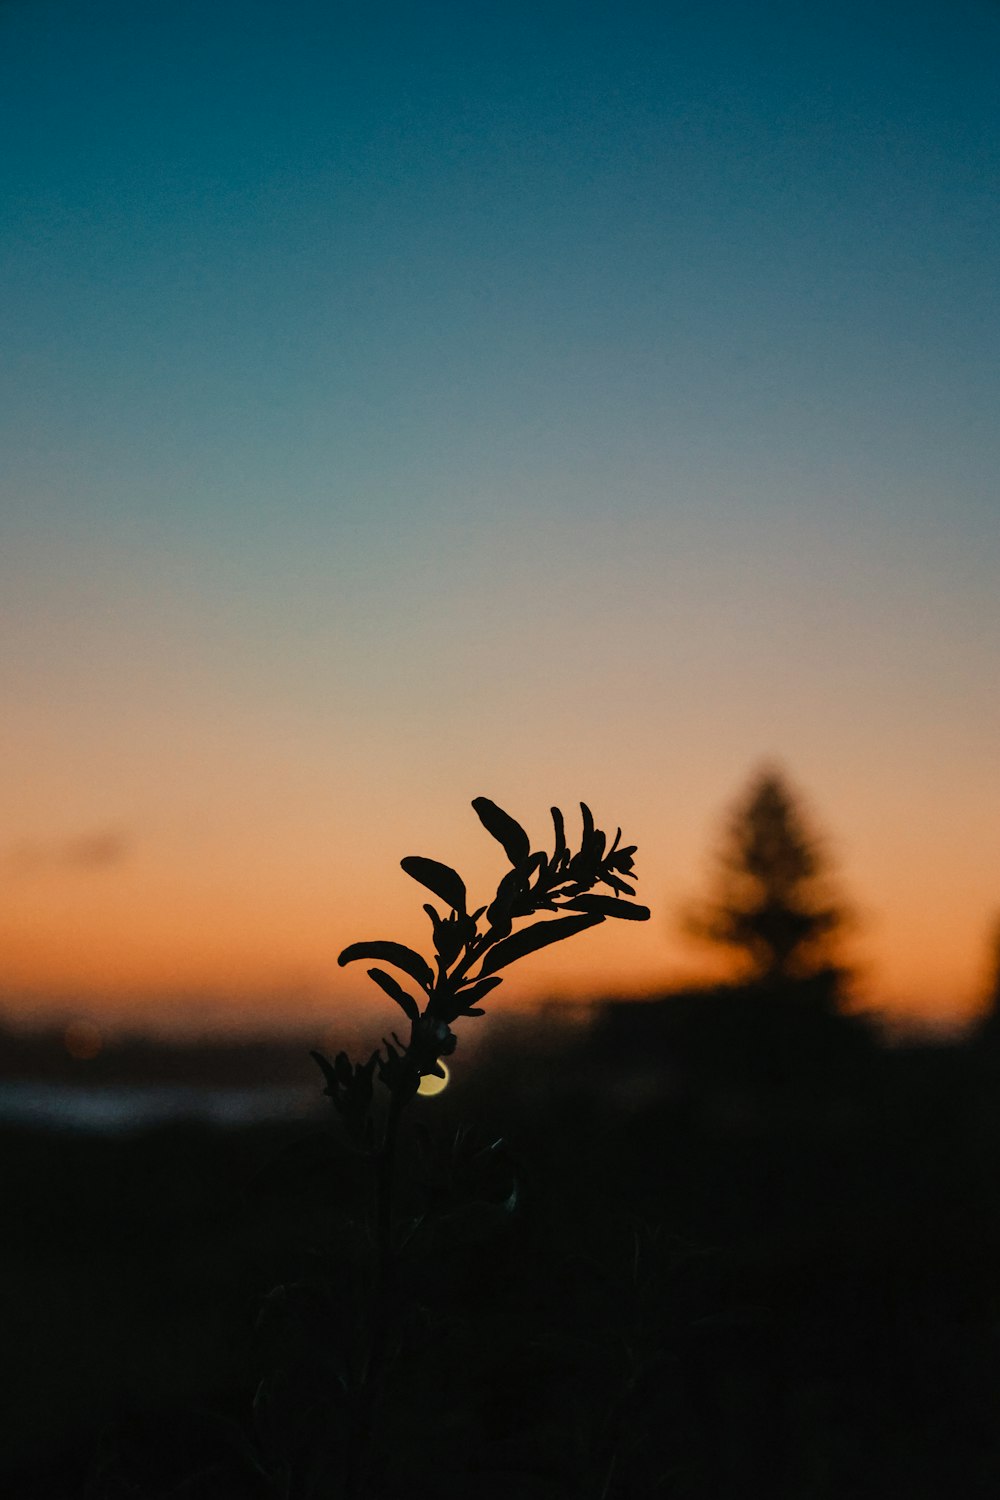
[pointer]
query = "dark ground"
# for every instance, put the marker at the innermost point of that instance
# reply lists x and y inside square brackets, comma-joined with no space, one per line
[750,1253]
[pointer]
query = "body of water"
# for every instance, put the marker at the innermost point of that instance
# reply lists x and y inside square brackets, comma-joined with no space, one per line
[122,1107]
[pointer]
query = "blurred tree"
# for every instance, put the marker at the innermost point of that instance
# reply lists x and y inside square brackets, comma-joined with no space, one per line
[993,988]
[773,905]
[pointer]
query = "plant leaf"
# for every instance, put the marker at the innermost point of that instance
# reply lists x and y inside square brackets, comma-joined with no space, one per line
[504,829]
[326,1067]
[441,879]
[477,989]
[560,829]
[530,939]
[396,992]
[498,913]
[391,953]
[608,906]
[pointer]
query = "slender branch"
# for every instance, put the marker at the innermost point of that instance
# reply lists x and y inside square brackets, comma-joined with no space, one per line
[384,1172]
[379,1304]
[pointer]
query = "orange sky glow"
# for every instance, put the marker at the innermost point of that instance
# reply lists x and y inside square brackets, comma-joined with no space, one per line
[242,928]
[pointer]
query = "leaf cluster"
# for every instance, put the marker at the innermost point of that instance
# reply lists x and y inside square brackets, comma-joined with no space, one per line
[544,897]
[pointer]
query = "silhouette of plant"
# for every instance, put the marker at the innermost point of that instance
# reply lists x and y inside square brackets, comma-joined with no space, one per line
[482,941]
[773,906]
[543,898]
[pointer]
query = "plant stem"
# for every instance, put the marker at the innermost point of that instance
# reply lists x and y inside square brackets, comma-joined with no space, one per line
[378,1322]
[384,1170]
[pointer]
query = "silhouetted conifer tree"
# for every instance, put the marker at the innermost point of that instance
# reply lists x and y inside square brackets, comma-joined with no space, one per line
[993,987]
[772,904]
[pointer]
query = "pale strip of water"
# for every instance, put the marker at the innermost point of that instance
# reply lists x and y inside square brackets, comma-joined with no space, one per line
[123,1107]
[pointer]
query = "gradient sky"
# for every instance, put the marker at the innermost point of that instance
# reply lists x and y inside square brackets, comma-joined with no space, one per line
[407,403]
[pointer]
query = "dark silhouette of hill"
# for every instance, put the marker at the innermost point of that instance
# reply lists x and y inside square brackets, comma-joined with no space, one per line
[244,1060]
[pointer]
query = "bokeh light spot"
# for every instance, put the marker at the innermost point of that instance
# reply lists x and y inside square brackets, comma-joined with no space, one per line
[430,1084]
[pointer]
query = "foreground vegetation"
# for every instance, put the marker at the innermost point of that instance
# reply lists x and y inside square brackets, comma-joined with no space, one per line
[750,1252]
